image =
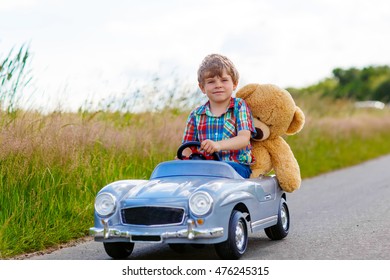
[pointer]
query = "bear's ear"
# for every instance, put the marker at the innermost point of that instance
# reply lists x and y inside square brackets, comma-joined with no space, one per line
[297,122]
[247,90]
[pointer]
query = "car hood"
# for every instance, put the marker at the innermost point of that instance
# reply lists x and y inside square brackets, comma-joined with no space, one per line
[177,187]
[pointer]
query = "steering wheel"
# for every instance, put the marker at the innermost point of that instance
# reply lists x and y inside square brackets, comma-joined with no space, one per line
[196,154]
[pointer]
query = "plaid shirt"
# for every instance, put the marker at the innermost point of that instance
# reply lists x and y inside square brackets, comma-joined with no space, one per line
[202,125]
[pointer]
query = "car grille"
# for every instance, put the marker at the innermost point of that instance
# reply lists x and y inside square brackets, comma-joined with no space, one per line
[151,215]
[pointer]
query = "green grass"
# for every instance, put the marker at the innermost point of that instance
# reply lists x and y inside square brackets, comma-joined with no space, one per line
[321,153]
[46,204]
[51,167]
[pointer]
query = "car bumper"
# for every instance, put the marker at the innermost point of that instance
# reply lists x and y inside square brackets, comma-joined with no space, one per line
[190,233]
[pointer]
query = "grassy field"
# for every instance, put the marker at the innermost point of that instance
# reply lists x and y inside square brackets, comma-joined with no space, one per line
[51,166]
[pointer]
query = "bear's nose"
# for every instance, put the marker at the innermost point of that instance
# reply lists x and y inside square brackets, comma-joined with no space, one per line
[259,134]
[262,131]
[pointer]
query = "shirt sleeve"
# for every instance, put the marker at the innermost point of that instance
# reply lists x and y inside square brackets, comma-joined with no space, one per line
[245,118]
[190,131]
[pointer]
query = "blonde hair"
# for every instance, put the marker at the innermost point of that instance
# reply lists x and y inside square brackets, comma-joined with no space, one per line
[213,65]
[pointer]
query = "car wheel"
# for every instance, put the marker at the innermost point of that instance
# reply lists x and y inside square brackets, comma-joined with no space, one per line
[280,230]
[119,250]
[235,246]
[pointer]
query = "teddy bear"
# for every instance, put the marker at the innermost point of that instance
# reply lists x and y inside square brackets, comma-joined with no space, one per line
[275,114]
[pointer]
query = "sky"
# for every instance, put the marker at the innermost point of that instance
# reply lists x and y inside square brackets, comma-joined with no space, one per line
[91,49]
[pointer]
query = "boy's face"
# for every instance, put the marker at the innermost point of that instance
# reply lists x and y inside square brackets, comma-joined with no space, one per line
[218,89]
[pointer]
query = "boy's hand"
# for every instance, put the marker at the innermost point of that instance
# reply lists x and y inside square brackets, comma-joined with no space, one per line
[210,146]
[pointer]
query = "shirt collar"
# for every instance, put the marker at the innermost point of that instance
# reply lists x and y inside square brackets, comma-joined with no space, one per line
[205,108]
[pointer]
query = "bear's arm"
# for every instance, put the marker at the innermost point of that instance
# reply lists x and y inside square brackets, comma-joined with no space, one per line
[284,164]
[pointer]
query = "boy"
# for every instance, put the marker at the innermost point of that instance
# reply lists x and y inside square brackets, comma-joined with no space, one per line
[224,124]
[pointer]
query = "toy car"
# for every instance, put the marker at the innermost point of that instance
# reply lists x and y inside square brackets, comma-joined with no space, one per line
[190,201]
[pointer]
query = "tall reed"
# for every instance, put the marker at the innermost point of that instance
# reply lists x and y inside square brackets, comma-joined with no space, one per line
[14,77]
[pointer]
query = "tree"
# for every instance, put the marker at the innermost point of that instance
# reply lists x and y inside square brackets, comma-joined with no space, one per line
[382,92]
[369,83]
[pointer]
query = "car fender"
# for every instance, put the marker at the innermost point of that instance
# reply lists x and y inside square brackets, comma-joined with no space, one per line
[118,189]
[236,197]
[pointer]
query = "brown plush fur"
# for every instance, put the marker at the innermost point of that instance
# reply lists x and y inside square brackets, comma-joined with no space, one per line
[275,114]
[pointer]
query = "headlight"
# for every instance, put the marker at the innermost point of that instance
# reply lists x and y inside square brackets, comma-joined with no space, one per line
[105,204]
[200,203]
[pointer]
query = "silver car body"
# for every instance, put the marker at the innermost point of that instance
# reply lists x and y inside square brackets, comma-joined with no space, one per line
[157,210]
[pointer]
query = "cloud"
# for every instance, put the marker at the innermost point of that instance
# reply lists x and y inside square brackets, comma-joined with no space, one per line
[99,46]
[12,5]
